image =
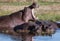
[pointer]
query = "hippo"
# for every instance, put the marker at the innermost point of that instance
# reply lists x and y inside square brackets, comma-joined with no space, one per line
[27,30]
[36,28]
[30,27]
[48,27]
[17,18]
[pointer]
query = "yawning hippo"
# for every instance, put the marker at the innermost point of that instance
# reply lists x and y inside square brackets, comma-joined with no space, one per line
[17,18]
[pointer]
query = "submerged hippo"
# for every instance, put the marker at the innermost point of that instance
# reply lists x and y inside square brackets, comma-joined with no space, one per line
[28,30]
[48,27]
[38,27]
[17,18]
[30,27]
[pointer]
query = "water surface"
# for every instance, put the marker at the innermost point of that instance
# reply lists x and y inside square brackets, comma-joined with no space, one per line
[54,37]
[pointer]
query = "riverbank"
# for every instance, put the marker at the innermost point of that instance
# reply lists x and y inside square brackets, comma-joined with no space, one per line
[46,10]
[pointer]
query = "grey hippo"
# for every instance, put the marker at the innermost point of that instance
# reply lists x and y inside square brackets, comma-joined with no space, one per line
[36,28]
[8,22]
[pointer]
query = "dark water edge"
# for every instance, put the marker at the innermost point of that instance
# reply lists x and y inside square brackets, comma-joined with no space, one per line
[54,37]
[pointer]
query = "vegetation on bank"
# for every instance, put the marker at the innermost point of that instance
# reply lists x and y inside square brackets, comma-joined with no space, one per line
[49,16]
[53,17]
[27,3]
[15,3]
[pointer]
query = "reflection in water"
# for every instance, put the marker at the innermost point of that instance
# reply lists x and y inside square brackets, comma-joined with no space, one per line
[4,37]
[54,37]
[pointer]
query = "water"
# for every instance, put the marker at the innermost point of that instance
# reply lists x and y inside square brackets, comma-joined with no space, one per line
[4,37]
[54,37]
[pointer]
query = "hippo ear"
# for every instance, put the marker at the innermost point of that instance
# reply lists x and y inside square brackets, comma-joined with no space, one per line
[34,5]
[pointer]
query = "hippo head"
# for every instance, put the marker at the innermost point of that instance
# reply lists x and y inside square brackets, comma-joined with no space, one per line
[34,5]
[46,28]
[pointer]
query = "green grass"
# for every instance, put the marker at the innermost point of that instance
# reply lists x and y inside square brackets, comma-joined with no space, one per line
[27,3]
[15,3]
[3,12]
[47,3]
[53,17]
[49,16]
